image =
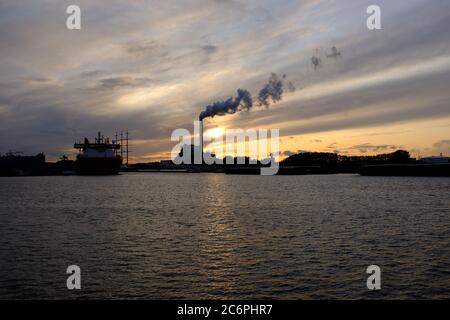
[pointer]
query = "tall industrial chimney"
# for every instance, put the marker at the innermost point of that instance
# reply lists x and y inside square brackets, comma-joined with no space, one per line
[201,139]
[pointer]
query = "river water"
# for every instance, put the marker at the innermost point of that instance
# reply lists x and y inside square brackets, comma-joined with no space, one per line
[198,236]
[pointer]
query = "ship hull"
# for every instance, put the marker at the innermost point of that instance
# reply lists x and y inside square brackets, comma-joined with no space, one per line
[97,166]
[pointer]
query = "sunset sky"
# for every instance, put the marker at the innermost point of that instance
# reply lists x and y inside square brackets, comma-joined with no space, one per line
[152,67]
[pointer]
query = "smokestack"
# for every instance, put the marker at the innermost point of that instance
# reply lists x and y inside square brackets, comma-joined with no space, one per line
[201,138]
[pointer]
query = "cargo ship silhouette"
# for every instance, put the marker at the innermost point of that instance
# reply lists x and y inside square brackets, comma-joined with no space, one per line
[98,158]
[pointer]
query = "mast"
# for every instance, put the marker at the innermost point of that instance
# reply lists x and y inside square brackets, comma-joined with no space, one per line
[115,141]
[127,147]
[121,144]
[201,140]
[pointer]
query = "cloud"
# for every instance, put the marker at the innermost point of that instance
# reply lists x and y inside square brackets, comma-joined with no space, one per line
[420,96]
[209,49]
[437,148]
[332,145]
[176,59]
[124,82]
[334,53]
[40,80]
[288,153]
[368,147]
[316,61]
[91,73]
[141,49]
[442,146]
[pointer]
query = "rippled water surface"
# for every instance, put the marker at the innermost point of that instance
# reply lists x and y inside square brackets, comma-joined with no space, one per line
[165,236]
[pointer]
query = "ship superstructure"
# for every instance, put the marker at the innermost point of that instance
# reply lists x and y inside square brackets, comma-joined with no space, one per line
[99,158]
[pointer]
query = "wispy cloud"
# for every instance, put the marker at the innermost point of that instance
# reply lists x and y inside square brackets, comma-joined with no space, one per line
[124,82]
[152,65]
